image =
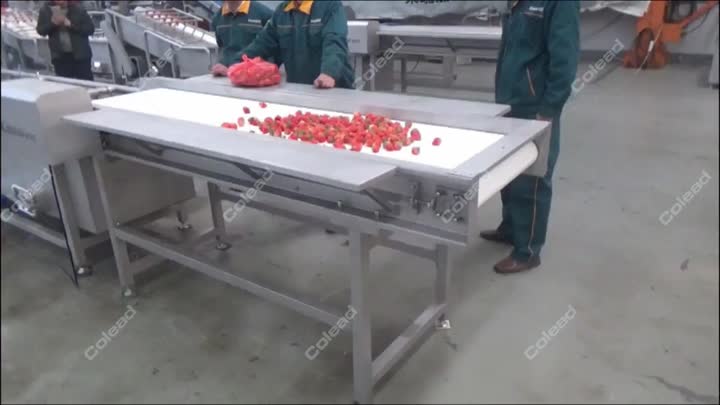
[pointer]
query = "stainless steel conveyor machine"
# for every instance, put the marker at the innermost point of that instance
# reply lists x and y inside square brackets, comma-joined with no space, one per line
[422,205]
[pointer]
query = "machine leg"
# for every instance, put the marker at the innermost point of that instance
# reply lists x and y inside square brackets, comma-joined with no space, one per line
[217,217]
[72,232]
[371,64]
[120,248]
[361,322]
[183,225]
[403,75]
[442,281]
[360,65]
[23,60]
[3,55]
[449,63]
[122,261]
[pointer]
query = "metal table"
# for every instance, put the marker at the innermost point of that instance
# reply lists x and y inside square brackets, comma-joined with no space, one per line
[421,205]
[446,41]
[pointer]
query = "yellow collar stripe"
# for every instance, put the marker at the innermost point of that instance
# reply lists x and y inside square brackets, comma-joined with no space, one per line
[305,6]
[243,8]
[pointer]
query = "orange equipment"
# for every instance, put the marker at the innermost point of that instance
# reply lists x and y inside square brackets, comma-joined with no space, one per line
[655,28]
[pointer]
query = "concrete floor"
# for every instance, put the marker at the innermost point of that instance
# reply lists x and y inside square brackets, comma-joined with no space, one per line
[645,295]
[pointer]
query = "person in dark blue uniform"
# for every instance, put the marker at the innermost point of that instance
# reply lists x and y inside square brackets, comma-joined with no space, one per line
[538,59]
[236,25]
[310,39]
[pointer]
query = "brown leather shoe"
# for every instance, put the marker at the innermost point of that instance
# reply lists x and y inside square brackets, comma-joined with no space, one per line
[509,265]
[495,236]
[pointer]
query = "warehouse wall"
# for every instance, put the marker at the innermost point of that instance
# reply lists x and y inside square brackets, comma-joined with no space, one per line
[599,29]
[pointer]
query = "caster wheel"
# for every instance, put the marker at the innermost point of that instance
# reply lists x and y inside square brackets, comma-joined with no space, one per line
[84,271]
[443,324]
[184,227]
[128,292]
[222,246]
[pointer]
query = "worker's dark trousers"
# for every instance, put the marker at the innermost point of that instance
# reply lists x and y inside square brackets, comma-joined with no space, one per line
[67,66]
[526,205]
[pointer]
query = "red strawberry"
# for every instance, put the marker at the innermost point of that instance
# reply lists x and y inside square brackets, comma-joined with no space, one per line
[241,122]
[263,104]
[246,110]
[376,148]
[416,151]
[229,125]
[415,135]
[436,142]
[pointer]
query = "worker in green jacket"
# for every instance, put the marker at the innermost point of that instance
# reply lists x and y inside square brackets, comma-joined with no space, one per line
[310,38]
[536,67]
[236,25]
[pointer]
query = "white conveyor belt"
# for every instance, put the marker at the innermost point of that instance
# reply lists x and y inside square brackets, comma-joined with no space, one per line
[458,145]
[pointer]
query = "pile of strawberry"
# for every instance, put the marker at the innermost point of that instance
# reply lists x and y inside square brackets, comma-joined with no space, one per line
[253,73]
[362,130]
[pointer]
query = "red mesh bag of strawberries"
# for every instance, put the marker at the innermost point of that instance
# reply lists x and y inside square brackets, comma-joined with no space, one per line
[254,73]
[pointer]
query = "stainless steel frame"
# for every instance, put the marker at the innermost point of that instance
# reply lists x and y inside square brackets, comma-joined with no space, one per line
[446,42]
[713,75]
[366,370]
[66,211]
[186,53]
[377,202]
[96,87]
[65,233]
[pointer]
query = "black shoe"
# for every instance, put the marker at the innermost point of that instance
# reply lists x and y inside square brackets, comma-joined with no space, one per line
[330,232]
[509,265]
[497,237]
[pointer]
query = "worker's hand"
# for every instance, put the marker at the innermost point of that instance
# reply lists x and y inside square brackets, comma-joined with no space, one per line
[324,82]
[541,118]
[219,70]
[67,22]
[58,20]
